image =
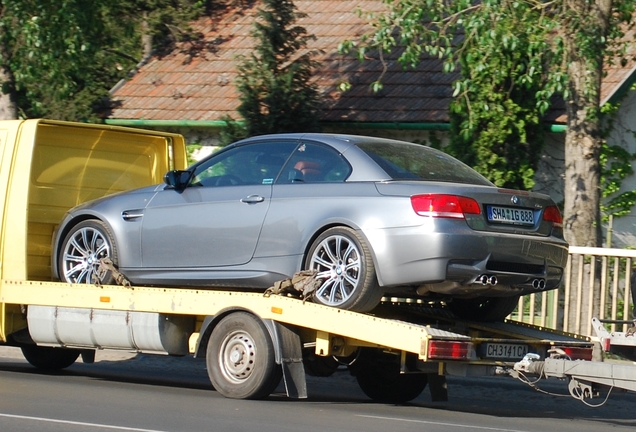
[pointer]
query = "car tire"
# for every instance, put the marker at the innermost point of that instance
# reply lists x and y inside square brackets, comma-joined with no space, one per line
[240,358]
[343,260]
[484,309]
[49,358]
[380,379]
[80,253]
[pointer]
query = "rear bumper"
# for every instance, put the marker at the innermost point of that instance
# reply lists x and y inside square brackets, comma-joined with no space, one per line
[448,250]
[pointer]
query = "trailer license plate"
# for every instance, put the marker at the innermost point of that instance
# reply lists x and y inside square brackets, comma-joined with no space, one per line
[510,215]
[509,351]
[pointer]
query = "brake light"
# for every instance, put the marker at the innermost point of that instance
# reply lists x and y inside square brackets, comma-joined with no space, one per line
[450,350]
[444,206]
[577,353]
[552,214]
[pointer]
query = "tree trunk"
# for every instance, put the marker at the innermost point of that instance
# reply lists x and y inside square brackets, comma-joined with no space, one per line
[146,38]
[585,32]
[8,104]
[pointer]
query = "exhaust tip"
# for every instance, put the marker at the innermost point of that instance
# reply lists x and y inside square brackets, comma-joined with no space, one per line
[538,284]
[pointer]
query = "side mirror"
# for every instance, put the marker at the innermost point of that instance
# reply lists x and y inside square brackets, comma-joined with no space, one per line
[177,179]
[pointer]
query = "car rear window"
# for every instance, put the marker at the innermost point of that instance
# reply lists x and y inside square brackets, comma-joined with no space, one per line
[405,161]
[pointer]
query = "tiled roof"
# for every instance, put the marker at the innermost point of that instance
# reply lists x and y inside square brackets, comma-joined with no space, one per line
[197,82]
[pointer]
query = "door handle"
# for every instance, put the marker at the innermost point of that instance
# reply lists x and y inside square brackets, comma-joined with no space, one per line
[252,199]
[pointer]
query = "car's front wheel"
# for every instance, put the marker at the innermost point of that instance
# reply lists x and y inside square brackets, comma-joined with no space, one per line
[82,249]
[344,264]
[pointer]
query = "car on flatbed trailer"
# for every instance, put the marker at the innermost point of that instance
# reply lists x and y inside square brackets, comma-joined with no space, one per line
[249,340]
[372,216]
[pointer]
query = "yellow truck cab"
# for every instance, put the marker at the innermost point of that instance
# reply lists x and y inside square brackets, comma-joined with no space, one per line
[48,167]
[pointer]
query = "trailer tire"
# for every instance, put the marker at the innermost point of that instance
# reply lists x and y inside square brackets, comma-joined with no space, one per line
[240,358]
[484,309]
[49,358]
[82,248]
[382,381]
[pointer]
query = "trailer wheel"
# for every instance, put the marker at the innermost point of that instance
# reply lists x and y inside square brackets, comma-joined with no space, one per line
[240,358]
[484,309]
[82,248]
[49,358]
[382,381]
[344,263]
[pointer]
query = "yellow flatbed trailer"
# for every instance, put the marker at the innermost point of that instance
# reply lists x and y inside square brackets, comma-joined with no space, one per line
[249,340]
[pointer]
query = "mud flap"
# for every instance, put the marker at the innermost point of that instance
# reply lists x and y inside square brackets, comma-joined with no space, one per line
[289,355]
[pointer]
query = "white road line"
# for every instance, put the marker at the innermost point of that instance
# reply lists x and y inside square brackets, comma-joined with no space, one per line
[68,422]
[440,424]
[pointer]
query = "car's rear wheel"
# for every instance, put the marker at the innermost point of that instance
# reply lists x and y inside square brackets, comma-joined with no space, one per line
[82,248]
[485,309]
[240,358]
[344,264]
[49,358]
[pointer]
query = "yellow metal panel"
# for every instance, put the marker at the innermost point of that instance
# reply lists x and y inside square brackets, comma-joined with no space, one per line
[387,333]
[47,167]
[323,344]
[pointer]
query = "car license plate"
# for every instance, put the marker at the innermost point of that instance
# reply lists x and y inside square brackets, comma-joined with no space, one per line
[510,215]
[508,351]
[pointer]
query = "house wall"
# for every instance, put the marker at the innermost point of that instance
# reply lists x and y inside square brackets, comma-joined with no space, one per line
[623,133]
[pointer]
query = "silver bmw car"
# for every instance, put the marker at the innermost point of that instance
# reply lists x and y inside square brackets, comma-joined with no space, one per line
[372,216]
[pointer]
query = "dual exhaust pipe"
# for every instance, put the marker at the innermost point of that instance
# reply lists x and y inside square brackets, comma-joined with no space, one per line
[484,279]
[538,284]
[487,279]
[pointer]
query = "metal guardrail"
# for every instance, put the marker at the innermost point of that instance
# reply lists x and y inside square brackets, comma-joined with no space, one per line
[597,283]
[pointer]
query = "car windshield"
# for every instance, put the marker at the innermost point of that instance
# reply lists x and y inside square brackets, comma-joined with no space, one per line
[404,161]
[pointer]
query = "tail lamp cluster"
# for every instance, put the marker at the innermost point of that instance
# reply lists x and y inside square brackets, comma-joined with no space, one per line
[457,207]
[450,350]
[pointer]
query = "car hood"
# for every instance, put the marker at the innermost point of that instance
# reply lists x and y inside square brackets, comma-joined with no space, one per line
[140,197]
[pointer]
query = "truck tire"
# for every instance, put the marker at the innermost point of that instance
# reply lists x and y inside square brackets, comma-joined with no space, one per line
[343,260]
[484,309]
[82,248]
[240,358]
[49,358]
[380,379]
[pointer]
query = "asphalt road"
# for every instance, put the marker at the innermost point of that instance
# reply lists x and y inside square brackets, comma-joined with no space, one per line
[128,392]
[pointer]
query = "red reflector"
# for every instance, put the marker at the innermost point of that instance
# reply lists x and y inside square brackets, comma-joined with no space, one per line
[578,353]
[450,350]
[445,206]
[552,214]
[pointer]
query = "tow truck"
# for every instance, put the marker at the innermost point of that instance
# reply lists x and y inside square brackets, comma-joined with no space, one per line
[250,340]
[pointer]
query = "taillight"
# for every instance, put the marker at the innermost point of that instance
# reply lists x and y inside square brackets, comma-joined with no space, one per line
[450,350]
[552,214]
[444,206]
[577,353]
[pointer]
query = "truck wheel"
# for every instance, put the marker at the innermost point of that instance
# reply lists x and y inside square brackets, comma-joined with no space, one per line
[484,309]
[49,358]
[383,382]
[83,247]
[344,263]
[240,358]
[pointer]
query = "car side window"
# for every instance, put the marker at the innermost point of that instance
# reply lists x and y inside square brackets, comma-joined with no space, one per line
[315,163]
[250,164]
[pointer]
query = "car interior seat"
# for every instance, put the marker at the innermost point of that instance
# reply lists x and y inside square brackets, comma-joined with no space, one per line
[310,170]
